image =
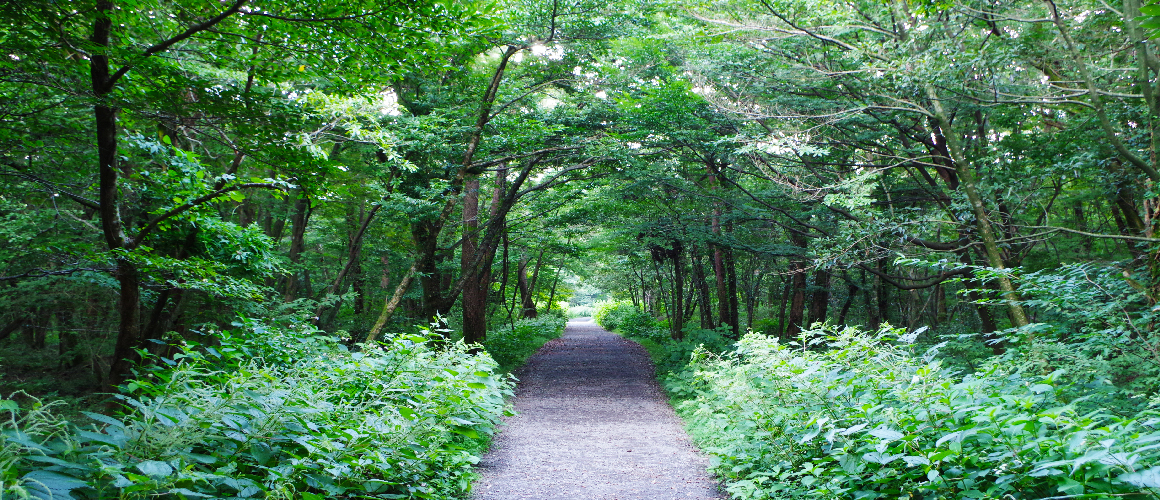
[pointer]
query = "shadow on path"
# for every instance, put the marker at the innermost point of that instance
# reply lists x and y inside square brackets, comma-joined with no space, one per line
[592,424]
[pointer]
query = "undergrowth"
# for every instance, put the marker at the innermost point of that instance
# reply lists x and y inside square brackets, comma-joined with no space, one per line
[271,413]
[844,413]
[510,345]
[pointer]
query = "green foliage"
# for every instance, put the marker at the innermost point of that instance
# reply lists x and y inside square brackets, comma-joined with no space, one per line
[581,311]
[272,413]
[618,315]
[851,414]
[510,345]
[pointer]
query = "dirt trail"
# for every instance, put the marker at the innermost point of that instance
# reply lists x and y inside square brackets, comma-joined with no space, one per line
[592,424]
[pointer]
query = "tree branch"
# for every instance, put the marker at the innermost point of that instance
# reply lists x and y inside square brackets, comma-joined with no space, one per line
[152,224]
[165,45]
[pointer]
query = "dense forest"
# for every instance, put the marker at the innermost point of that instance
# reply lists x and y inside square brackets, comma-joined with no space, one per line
[290,248]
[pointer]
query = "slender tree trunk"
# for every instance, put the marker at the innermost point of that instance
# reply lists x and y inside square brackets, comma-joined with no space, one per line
[552,294]
[677,319]
[786,290]
[797,306]
[851,291]
[125,272]
[967,180]
[883,294]
[703,299]
[869,292]
[798,268]
[298,221]
[820,298]
[731,289]
[522,284]
[353,255]
[476,280]
[722,286]
[392,303]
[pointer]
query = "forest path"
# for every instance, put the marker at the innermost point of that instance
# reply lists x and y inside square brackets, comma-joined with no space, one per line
[592,424]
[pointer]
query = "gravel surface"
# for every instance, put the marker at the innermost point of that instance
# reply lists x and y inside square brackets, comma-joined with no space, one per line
[592,424]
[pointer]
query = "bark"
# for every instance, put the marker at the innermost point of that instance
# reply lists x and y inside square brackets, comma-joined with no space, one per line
[797,268]
[869,290]
[353,255]
[986,231]
[476,281]
[820,298]
[677,320]
[782,328]
[797,304]
[392,302]
[528,287]
[722,288]
[298,221]
[128,279]
[851,291]
[731,273]
[703,298]
[359,286]
[426,236]
[552,294]
[883,294]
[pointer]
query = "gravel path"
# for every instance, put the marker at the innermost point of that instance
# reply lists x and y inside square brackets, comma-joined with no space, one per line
[592,424]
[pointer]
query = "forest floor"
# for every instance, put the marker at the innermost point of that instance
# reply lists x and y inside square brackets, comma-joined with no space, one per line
[592,423]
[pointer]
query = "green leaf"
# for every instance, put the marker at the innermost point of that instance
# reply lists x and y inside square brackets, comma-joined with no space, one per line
[155,468]
[466,431]
[42,484]
[1148,478]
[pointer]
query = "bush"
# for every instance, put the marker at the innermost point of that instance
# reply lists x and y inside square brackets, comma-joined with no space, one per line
[580,311]
[510,347]
[609,314]
[272,413]
[856,415]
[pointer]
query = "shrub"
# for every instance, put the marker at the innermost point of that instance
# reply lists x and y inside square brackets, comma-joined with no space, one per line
[272,413]
[510,347]
[609,315]
[856,415]
[580,311]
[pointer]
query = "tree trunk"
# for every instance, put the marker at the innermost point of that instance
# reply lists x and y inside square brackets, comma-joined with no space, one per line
[129,337]
[820,298]
[797,306]
[731,274]
[426,236]
[298,221]
[552,294]
[353,255]
[476,280]
[851,290]
[392,303]
[782,327]
[967,180]
[526,287]
[677,318]
[703,297]
[797,268]
[869,292]
[883,294]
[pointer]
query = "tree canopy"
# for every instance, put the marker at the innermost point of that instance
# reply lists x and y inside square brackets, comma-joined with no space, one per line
[982,172]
